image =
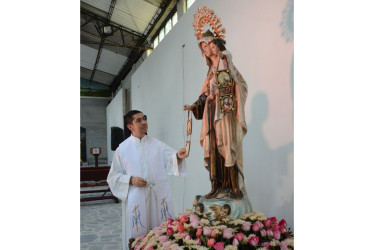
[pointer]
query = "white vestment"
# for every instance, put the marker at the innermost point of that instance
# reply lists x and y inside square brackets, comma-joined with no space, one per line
[146,207]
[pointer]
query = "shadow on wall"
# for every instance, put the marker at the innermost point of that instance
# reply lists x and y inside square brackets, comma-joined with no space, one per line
[269,172]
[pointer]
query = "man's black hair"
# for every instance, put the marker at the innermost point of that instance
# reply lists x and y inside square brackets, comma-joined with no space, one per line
[128,118]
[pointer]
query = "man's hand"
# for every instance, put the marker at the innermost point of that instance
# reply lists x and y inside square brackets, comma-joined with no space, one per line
[138,182]
[182,153]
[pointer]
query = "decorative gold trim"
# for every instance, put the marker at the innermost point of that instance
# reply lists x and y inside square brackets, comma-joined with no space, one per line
[205,16]
[224,78]
[231,104]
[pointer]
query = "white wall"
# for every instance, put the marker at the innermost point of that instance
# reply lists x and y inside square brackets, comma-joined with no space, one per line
[174,73]
[92,117]
[114,118]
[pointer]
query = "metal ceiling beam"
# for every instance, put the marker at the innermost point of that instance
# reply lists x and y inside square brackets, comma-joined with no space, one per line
[109,42]
[115,25]
[109,15]
[135,55]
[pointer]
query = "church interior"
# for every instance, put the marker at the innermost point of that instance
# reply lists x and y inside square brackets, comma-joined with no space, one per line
[252,162]
[143,55]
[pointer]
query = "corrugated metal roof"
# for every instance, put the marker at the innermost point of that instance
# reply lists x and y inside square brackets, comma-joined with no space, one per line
[99,4]
[130,20]
[134,13]
[109,62]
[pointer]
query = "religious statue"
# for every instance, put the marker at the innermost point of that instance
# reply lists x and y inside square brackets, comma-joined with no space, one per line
[221,108]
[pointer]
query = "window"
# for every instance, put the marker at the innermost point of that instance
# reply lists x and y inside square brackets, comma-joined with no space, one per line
[161,35]
[165,30]
[175,19]
[168,26]
[155,43]
[189,3]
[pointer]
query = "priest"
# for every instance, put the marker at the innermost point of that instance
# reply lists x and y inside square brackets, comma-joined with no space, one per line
[138,177]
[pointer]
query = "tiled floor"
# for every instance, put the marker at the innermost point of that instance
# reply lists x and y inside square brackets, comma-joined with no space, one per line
[101,225]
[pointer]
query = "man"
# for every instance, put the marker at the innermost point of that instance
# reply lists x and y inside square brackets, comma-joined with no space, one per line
[138,176]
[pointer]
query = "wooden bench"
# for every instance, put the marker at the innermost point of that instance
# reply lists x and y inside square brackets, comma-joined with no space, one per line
[96,177]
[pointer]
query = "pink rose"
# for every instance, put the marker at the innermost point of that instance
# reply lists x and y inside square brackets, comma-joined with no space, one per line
[228,233]
[275,227]
[194,218]
[187,237]
[276,234]
[211,242]
[166,245]
[282,223]
[265,244]
[213,234]
[195,224]
[263,232]
[219,246]
[239,236]
[235,242]
[253,240]
[207,230]
[273,219]
[157,231]
[246,226]
[283,245]
[260,224]
[198,241]
[184,219]
[170,221]
[267,222]
[163,239]
[181,229]
[176,223]
[269,232]
[198,232]
[255,227]
[282,229]
[183,214]
[169,231]
[150,248]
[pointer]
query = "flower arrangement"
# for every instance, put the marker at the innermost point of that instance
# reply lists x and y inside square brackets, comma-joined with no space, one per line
[195,231]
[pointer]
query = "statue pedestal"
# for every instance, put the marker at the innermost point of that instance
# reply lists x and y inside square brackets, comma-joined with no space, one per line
[238,207]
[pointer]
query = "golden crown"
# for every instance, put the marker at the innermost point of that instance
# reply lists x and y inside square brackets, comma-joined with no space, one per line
[205,16]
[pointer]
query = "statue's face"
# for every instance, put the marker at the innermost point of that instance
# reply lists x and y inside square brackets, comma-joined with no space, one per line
[214,48]
[224,211]
[206,49]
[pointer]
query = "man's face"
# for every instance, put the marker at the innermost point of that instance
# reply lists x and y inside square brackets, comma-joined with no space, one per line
[139,125]
[206,49]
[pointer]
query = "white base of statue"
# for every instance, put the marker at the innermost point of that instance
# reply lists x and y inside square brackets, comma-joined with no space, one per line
[217,207]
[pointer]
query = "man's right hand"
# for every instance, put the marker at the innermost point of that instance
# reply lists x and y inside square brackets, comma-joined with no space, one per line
[138,182]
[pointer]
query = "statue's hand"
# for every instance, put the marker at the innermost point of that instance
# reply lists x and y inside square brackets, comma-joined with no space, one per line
[182,153]
[187,107]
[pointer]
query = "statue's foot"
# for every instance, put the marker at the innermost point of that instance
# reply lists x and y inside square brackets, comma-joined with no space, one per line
[237,194]
[212,194]
[215,190]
